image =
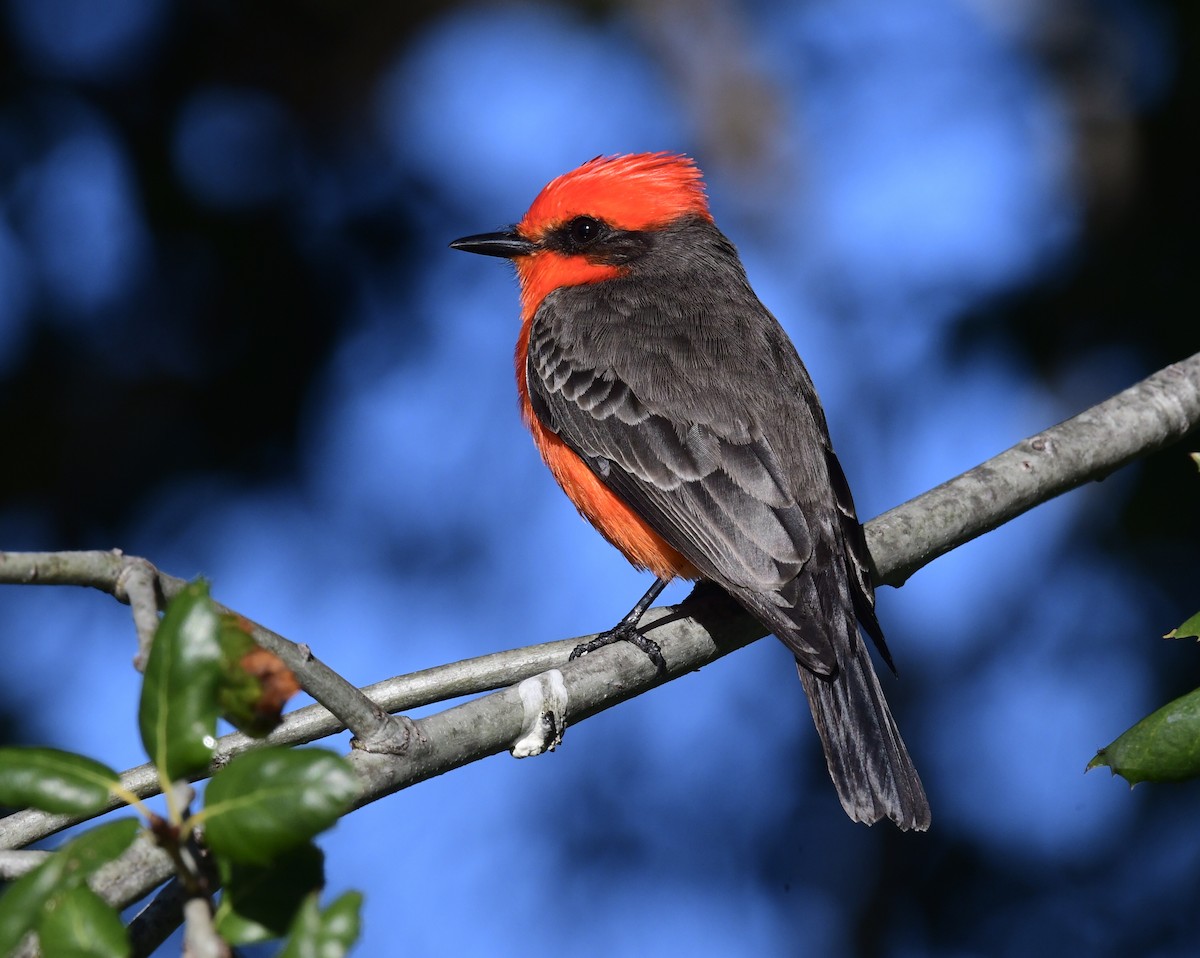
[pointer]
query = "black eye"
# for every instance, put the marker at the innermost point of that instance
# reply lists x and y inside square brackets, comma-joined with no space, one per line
[583,230]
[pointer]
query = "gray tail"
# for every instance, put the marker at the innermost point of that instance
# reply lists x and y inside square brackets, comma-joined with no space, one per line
[869,765]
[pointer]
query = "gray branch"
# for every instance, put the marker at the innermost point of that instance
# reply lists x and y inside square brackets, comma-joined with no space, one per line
[1141,420]
[136,582]
[1157,412]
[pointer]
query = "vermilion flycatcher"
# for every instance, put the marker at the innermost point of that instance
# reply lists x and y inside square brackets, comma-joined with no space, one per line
[676,414]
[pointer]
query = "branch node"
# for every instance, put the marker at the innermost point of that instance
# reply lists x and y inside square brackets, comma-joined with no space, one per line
[137,584]
[544,698]
[393,736]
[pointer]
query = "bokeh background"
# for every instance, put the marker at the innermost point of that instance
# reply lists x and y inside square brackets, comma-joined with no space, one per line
[232,339]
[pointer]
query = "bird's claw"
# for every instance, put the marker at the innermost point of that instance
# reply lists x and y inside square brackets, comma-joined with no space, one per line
[624,633]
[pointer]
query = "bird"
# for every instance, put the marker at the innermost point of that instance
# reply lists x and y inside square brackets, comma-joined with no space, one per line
[676,414]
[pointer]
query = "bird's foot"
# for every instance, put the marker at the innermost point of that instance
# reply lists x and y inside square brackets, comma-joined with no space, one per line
[624,632]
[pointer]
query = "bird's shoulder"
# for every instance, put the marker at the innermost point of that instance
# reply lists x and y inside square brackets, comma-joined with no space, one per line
[699,348]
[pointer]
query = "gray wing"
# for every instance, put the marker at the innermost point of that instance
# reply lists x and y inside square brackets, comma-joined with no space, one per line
[714,485]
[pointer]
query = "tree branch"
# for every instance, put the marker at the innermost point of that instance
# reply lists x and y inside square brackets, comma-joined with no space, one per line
[1158,411]
[314,722]
[135,581]
[1141,420]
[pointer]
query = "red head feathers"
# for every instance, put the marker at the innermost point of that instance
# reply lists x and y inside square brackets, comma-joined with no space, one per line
[632,192]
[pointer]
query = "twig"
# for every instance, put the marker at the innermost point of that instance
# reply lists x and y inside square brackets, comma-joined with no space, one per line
[109,572]
[200,938]
[155,923]
[137,584]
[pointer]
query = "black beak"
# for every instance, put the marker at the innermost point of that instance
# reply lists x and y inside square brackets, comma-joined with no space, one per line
[508,244]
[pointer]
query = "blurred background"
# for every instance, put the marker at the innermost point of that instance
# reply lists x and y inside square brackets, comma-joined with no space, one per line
[233,340]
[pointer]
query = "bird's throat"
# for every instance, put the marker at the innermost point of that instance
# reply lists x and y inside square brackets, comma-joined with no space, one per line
[545,271]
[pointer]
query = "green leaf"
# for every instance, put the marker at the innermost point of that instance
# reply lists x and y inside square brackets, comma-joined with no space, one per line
[1189,630]
[96,847]
[239,689]
[78,923]
[259,902]
[325,934]
[255,683]
[178,711]
[267,801]
[53,780]
[23,903]
[1162,747]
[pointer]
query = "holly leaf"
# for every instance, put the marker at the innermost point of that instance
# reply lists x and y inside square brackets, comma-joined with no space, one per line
[265,802]
[22,903]
[78,923]
[325,934]
[255,684]
[178,711]
[97,846]
[1189,630]
[25,901]
[1162,747]
[260,902]
[54,780]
